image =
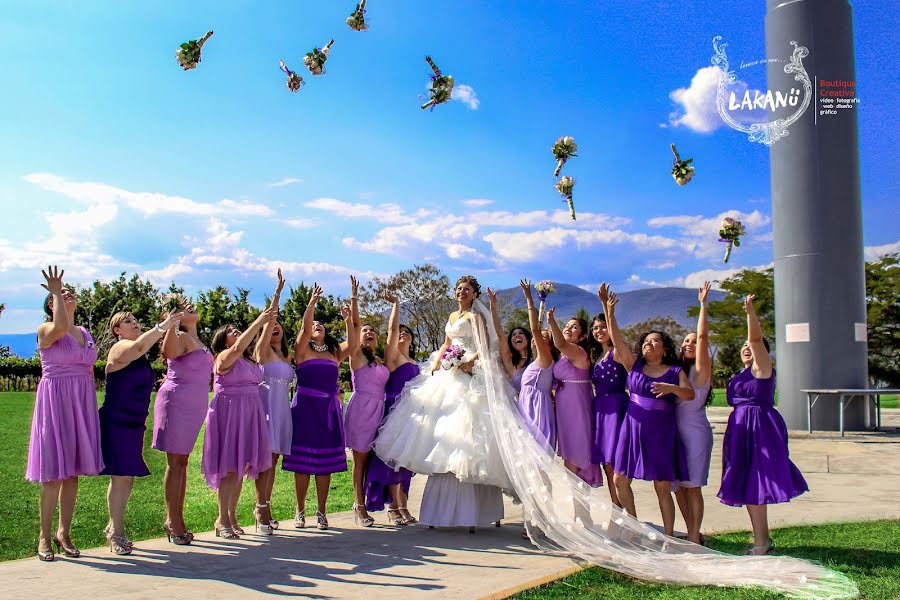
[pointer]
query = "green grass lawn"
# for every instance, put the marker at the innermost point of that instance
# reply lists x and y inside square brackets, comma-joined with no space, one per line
[869,553]
[887,401]
[146,510]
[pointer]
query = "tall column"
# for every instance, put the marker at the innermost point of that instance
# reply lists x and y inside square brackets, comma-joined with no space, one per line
[817,219]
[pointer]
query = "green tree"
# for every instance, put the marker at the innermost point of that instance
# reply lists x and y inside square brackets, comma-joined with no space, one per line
[328,312]
[676,330]
[213,310]
[883,317]
[582,313]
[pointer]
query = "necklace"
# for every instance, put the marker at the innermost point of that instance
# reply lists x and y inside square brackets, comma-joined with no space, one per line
[318,347]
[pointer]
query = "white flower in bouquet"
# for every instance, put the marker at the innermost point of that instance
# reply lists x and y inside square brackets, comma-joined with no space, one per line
[452,357]
[731,233]
[564,187]
[682,171]
[564,149]
[357,19]
[544,288]
[315,60]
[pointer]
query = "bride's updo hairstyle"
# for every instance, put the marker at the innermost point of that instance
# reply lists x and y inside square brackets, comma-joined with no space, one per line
[476,287]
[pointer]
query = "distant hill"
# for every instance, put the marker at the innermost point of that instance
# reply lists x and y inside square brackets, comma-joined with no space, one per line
[21,344]
[634,306]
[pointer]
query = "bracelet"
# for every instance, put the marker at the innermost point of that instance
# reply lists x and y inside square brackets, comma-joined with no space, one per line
[160,329]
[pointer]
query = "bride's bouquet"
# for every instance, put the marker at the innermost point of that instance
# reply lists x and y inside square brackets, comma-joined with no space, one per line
[188,54]
[731,233]
[173,302]
[441,86]
[315,60]
[357,19]
[564,149]
[294,81]
[564,187]
[682,171]
[452,357]
[544,288]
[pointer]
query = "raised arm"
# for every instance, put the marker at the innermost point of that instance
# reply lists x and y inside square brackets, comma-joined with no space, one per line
[762,361]
[505,353]
[703,362]
[544,355]
[392,346]
[124,352]
[353,350]
[172,346]
[58,328]
[263,350]
[621,352]
[570,350]
[227,357]
[309,315]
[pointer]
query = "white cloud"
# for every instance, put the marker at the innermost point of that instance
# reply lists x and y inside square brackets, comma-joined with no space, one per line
[697,110]
[382,213]
[458,251]
[528,246]
[477,202]
[285,181]
[167,274]
[700,234]
[662,265]
[300,223]
[875,252]
[466,94]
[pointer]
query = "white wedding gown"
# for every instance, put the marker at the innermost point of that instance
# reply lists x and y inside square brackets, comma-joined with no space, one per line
[441,426]
[466,433]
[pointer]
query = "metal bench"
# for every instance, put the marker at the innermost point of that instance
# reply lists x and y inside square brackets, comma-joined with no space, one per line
[845,397]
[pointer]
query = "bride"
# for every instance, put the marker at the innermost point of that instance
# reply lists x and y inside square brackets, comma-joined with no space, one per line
[461,427]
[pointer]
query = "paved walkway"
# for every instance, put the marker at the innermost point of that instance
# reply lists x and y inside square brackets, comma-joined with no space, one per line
[854,478]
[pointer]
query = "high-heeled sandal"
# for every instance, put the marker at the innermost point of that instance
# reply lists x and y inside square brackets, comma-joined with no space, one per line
[410,520]
[107,531]
[184,539]
[238,530]
[47,556]
[272,522]
[321,520]
[263,528]
[119,544]
[762,550]
[366,521]
[300,518]
[70,551]
[227,533]
[399,519]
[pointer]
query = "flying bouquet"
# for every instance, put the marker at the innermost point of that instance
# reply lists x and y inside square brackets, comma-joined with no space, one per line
[682,170]
[357,19]
[544,288]
[452,357]
[441,86]
[294,81]
[188,54]
[173,303]
[564,149]
[564,187]
[315,60]
[730,234]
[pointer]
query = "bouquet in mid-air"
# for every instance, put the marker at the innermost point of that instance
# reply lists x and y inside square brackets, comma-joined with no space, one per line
[173,303]
[452,357]
[564,149]
[315,60]
[294,81]
[357,19]
[188,54]
[564,187]
[441,86]
[731,232]
[544,288]
[682,171]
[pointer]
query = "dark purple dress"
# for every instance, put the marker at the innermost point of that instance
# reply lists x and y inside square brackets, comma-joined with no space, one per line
[610,403]
[123,419]
[378,475]
[648,439]
[756,467]
[317,445]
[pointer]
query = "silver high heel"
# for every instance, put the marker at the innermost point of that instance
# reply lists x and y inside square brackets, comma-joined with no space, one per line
[410,520]
[366,521]
[399,519]
[272,522]
[263,528]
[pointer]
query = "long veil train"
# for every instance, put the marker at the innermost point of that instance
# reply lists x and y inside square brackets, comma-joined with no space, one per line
[563,514]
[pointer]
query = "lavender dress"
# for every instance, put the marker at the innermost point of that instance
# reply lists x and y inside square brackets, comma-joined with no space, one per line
[276,398]
[610,404]
[318,440]
[65,429]
[536,403]
[516,379]
[575,419]
[695,433]
[648,446]
[123,418]
[365,411]
[237,438]
[182,402]
[379,476]
[756,466]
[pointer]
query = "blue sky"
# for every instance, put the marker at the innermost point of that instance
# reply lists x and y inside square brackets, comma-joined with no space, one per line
[116,159]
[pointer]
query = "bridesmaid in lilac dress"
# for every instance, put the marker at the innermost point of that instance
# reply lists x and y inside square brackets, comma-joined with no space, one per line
[574,399]
[65,429]
[756,465]
[273,354]
[181,404]
[648,439]
[123,416]
[515,348]
[318,438]
[365,412]
[384,484]
[610,397]
[237,438]
[694,429]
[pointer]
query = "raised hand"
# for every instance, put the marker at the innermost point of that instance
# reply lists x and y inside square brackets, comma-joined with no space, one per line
[492,299]
[173,320]
[345,311]
[268,315]
[317,293]
[54,279]
[280,285]
[703,294]
[550,314]
[603,293]
[611,303]
[354,286]
[748,304]
[391,298]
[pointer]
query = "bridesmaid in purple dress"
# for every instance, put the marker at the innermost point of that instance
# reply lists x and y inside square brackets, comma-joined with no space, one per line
[384,484]
[178,413]
[318,443]
[515,348]
[273,354]
[237,438]
[648,439]
[756,466]
[610,396]
[694,429]
[123,416]
[574,399]
[65,429]
[365,412]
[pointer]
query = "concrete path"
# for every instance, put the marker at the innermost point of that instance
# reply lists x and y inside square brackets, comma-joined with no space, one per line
[854,478]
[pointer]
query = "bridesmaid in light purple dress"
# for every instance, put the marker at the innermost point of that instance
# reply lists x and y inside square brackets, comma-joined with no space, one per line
[515,348]
[693,426]
[574,399]
[65,429]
